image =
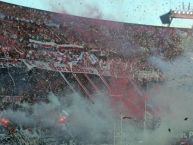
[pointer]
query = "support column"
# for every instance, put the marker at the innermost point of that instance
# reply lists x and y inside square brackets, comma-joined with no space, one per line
[82,86]
[92,83]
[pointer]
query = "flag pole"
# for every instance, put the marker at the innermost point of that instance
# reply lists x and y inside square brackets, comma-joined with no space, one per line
[121,129]
[114,135]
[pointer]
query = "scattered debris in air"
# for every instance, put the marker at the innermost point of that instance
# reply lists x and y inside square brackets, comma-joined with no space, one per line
[186,118]
[127,117]
[169,129]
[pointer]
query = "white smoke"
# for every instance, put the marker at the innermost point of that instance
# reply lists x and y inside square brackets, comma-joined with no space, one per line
[174,100]
[95,123]
[86,121]
[31,115]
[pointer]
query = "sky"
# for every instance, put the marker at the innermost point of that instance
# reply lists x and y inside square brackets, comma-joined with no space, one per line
[130,11]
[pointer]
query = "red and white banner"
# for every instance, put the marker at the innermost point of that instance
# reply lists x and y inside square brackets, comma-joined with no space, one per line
[57,47]
[55,66]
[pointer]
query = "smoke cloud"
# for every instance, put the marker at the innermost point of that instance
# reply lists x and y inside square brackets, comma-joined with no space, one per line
[174,99]
[100,123]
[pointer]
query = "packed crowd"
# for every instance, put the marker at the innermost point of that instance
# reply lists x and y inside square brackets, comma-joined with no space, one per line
[28,15]
[112,49]
[18,82]
[33,86]
[95,35]
[107,46]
